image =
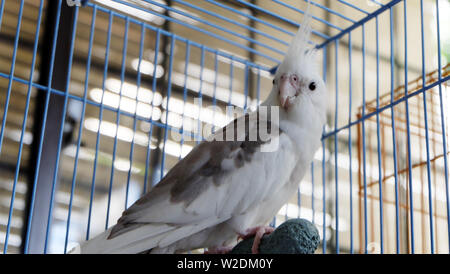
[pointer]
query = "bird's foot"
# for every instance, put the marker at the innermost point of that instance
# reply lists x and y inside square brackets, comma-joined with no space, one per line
[218,250]
[258,232]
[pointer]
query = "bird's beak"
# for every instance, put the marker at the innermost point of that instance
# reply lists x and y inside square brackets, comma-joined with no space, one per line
[286,91]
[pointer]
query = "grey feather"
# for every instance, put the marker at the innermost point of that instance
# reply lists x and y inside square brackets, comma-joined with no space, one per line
[187,179]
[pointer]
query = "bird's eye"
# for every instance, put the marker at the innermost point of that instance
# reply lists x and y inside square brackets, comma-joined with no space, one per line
[295,78]
[273,81]
[312,86]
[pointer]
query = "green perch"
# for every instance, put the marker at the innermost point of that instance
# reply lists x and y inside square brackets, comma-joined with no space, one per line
[295,236]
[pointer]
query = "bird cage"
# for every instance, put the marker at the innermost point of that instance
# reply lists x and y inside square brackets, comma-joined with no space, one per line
[411,198]
[99,99]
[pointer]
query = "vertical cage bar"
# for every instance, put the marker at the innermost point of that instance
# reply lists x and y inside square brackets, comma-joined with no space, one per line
[100,119]
[408,131]
[214,100]
[350,138]
[80,129]
[138,86]
[444,139]
[336,149]
[363,128]
[2,8]
[231,84]
[394,139]
[186,67]
[122,79]
[324,213]
[380,174]
[427,143]
[150,132]
[200,95]
[169,91]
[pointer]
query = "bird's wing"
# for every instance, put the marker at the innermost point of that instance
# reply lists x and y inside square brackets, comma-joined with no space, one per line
[212,183]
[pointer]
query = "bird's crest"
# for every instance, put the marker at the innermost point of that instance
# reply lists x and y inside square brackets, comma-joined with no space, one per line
[299,50]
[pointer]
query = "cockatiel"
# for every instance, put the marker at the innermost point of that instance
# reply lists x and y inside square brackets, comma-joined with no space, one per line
[222,189]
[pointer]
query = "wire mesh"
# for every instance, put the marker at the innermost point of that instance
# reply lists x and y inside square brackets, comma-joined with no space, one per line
[95,112]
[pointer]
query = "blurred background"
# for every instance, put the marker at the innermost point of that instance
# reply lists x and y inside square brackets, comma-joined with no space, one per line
[76,157]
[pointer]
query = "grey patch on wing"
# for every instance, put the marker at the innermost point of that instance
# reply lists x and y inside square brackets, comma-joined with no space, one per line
[189,177]
[240,151]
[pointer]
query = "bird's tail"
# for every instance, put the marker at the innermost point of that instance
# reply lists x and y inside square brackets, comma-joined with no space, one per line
[136,241]
[161,238]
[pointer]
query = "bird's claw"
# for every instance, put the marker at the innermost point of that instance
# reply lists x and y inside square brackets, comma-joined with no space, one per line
[258,232]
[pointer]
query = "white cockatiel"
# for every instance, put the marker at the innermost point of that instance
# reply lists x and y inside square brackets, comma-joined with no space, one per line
[222,189]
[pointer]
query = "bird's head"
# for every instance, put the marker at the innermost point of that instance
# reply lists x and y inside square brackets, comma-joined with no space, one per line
[298,82]
[298,87]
